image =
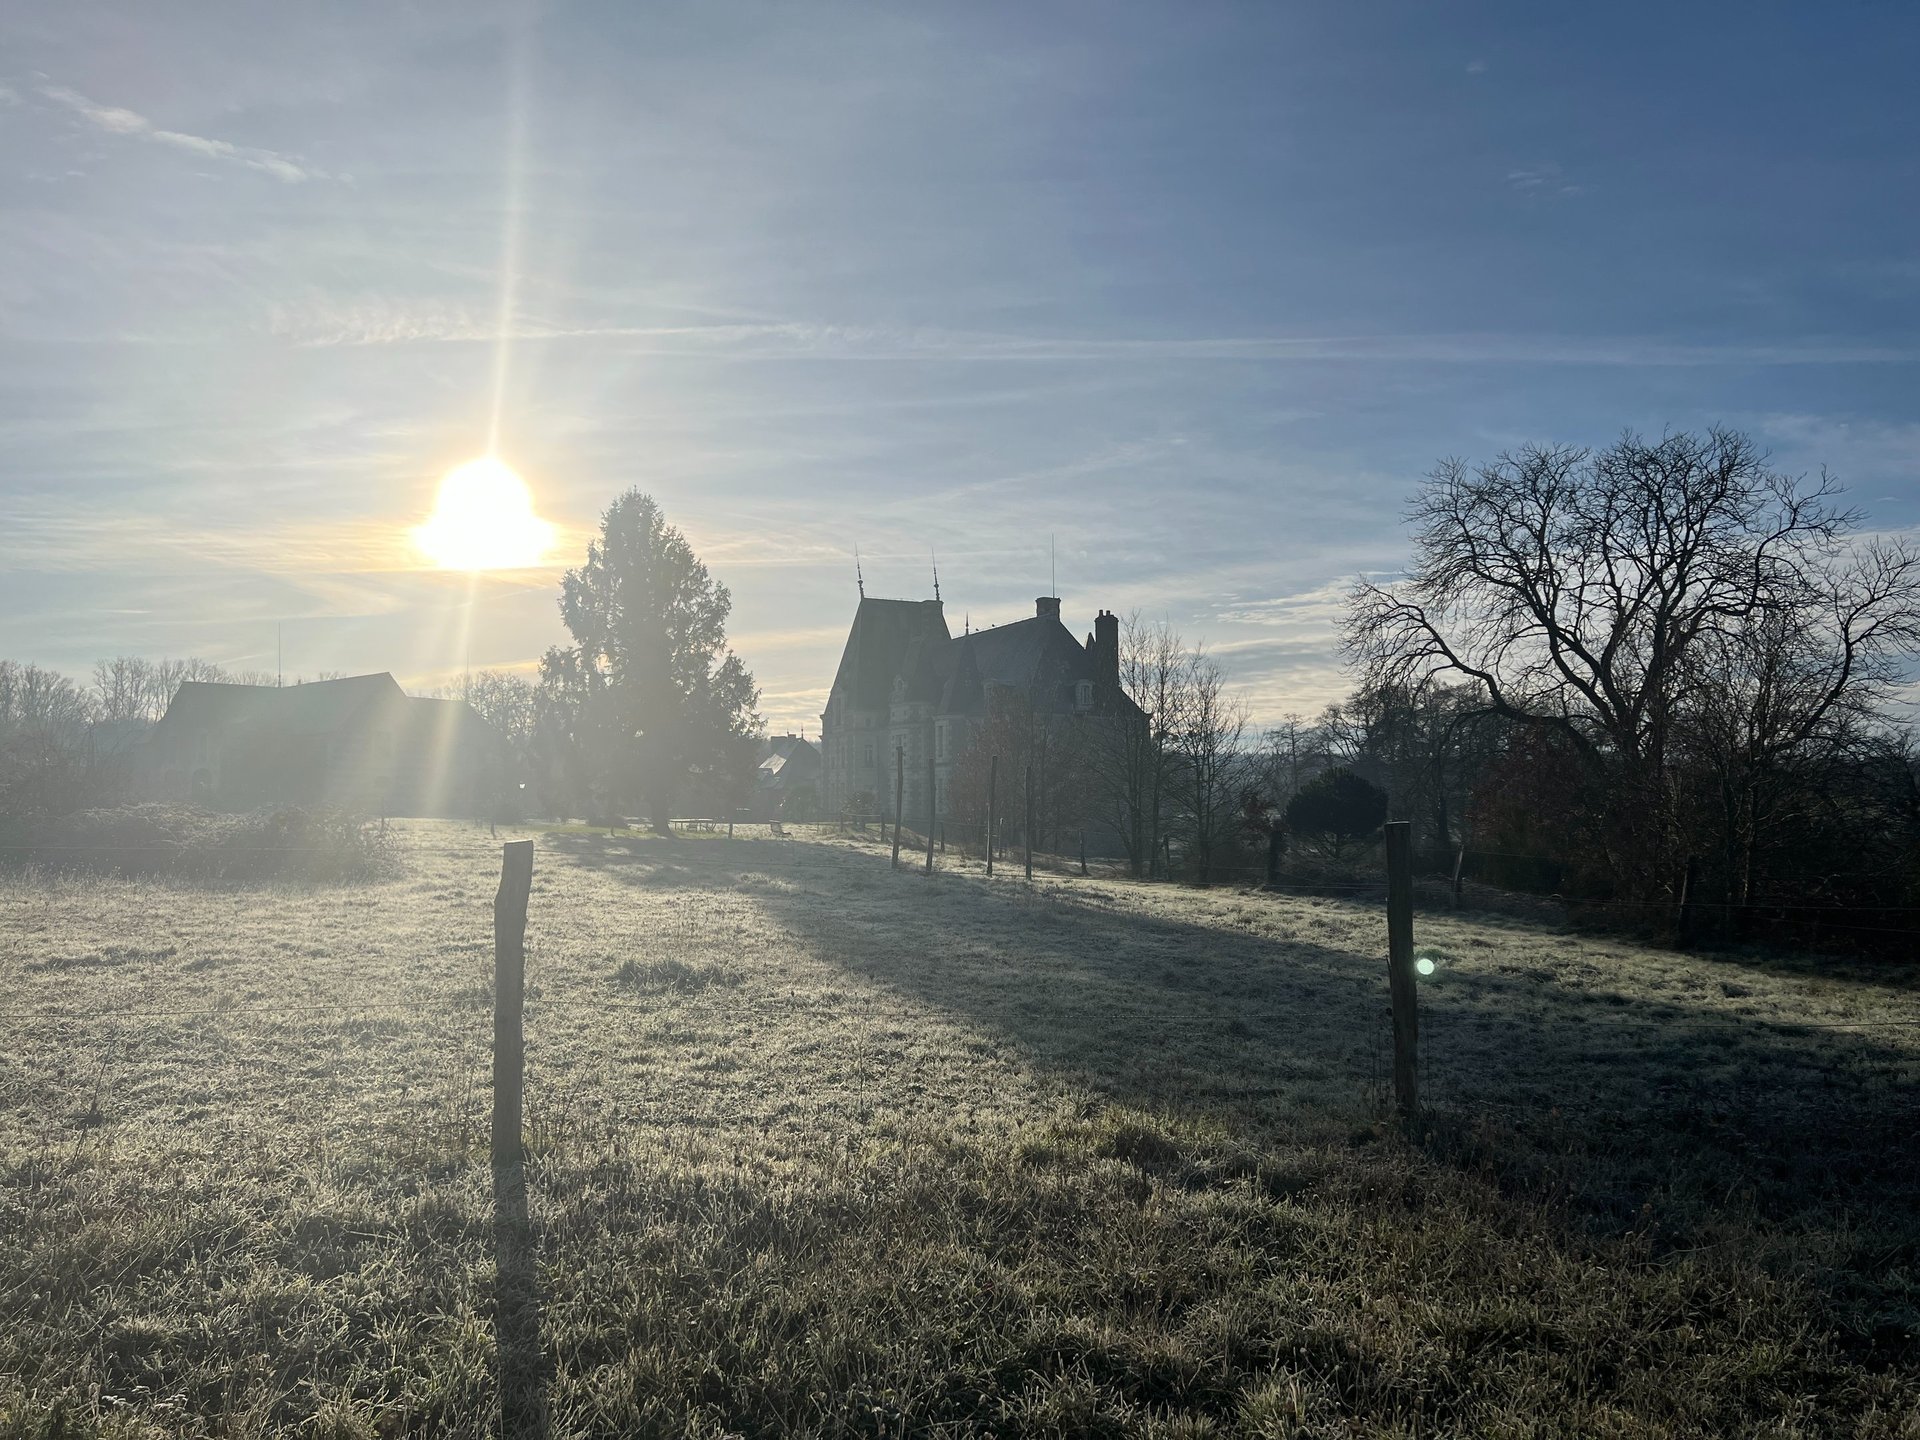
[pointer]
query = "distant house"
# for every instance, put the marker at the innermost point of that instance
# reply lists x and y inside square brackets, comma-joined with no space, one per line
[789,766]
[360,743]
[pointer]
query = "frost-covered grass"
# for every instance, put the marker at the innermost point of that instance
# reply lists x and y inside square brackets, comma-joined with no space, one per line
[821,1149]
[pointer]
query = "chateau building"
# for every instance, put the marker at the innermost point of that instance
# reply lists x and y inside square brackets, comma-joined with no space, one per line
[907,684]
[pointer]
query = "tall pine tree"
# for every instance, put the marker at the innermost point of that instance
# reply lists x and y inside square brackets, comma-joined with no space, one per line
[655,699]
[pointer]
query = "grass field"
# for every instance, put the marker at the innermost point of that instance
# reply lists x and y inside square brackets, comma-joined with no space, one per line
[820,1149]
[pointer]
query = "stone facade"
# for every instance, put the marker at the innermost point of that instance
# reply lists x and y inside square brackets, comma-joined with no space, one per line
[908,688]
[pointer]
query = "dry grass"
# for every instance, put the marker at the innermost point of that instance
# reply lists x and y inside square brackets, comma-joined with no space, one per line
[824,1150]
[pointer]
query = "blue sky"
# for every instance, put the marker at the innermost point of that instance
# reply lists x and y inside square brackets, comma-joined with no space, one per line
[1198,291]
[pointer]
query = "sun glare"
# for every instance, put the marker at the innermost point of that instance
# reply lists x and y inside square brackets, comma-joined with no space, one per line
[483,519]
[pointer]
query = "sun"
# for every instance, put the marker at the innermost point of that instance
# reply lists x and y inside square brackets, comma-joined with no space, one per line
[483,520]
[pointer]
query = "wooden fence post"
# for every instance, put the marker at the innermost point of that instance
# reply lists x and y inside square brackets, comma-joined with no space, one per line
[933,804]
[1459,867]
[1027,829]
[509,998]
[1083,848]
[993,779]
[899,797]
[1402,983]
[1683,922]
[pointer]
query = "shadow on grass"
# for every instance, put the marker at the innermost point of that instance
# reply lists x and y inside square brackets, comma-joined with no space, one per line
[1628,1094]
[522,1373]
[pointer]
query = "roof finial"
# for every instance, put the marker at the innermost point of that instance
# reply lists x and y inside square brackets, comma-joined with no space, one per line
[1053,571]
[859,579]
[936,576]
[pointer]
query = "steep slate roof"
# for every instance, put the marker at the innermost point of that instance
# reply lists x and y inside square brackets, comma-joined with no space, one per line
[786,758]
[785,745]
[877,646]
[907,640]
[1018,655]
[964,694]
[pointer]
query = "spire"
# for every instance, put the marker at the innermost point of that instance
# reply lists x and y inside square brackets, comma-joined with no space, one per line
[936,575]
[859,579]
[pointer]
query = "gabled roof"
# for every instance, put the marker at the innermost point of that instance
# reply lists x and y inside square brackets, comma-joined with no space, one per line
[785,745]
[877,646]
[786,759]
[315,708]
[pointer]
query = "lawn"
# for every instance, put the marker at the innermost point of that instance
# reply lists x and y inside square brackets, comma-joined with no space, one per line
[823,1149]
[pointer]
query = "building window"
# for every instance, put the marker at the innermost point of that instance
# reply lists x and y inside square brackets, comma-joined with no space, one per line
[866,753]
[1083,695]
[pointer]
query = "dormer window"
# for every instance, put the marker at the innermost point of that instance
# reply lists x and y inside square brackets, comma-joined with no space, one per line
[1083,695]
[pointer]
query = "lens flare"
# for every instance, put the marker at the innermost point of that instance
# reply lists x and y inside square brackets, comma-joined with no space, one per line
[1423,965]
[483,519]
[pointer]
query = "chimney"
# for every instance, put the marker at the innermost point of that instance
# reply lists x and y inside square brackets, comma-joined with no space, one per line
[1106,638]
[1047,607]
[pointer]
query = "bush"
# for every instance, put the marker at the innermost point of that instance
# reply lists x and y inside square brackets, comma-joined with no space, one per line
[284,843]
[1336,809]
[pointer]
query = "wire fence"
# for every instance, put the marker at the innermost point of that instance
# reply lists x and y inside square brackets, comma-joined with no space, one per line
[1456,1047]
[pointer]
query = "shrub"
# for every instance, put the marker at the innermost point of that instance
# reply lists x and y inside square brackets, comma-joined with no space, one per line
[1336,809]
[284,843]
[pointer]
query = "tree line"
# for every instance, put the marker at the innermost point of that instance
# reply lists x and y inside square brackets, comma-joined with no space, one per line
[67,743]
[1657,658]
[1611,674]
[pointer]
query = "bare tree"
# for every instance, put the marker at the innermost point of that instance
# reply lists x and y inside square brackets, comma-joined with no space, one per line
[1423,742]
[1128,757]
[1291,753]
[43,727]
[1207,774]
[1583,591]
[121,689]
[1782,703]
[129,687]
[506,701]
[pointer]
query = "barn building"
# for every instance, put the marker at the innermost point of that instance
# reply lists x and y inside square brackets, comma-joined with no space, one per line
[359,743]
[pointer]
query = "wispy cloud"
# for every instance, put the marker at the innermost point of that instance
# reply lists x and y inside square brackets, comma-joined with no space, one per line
[1544,179]
[1312,614]
[116,121]
[383,321]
